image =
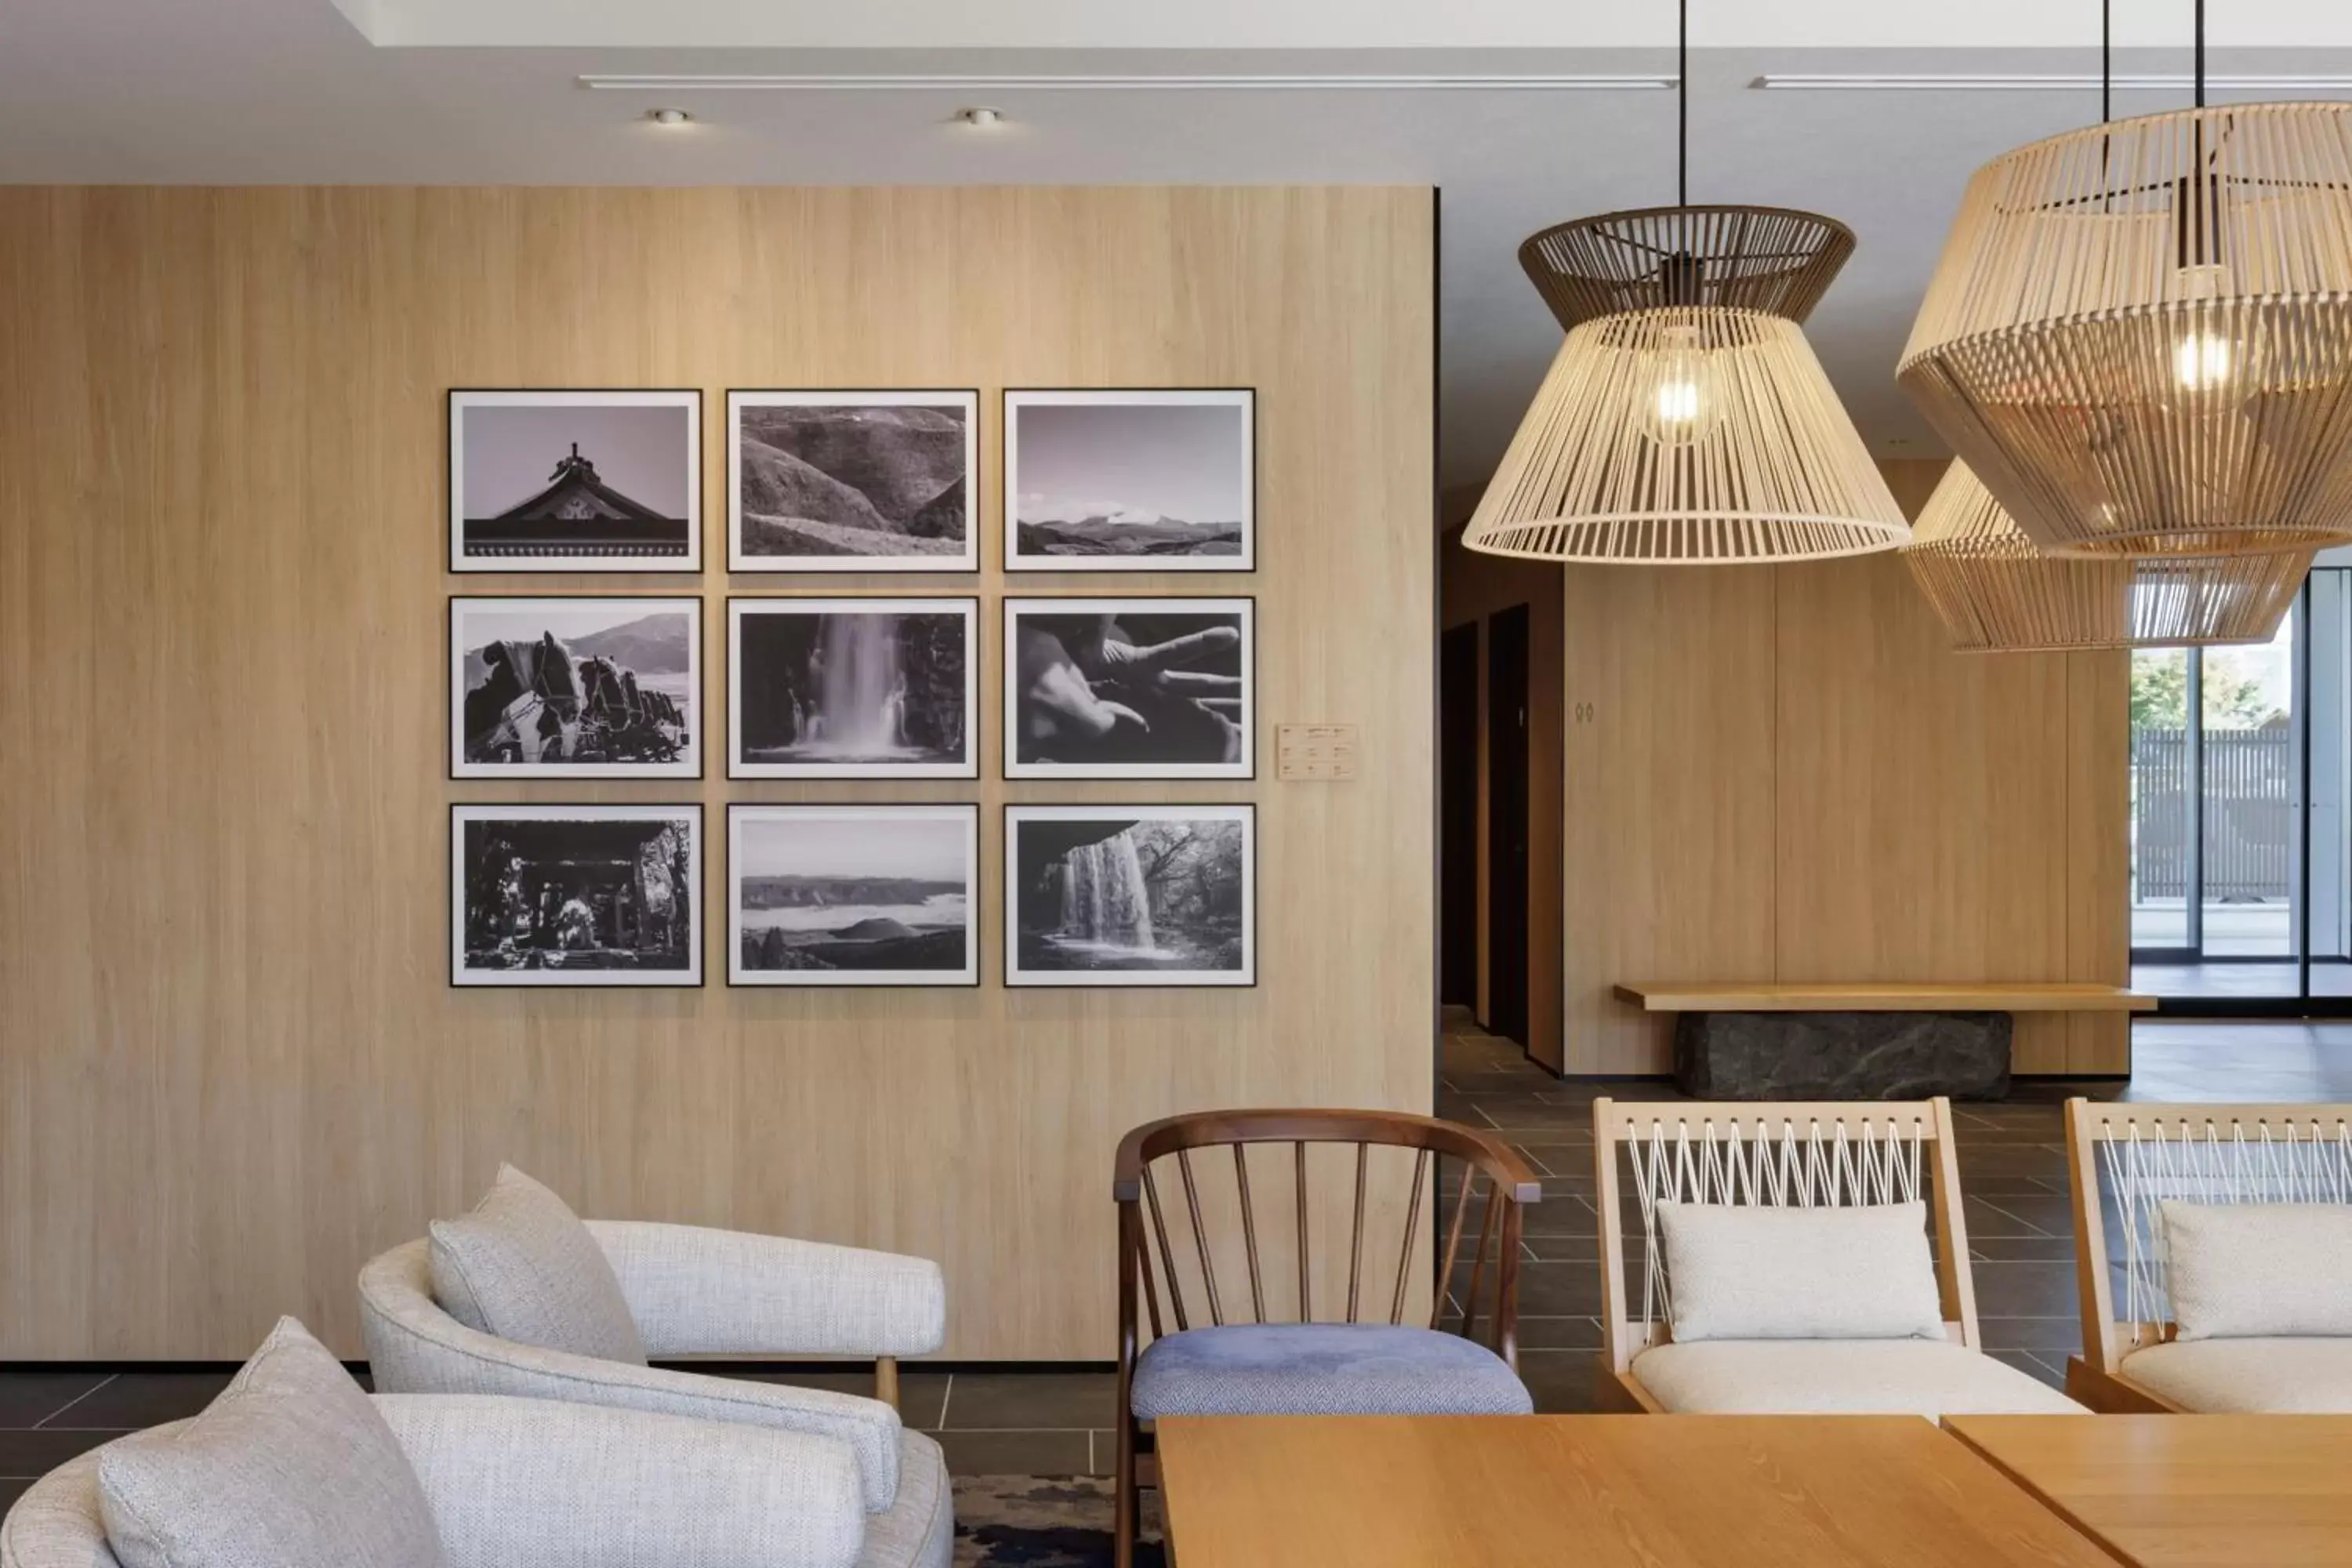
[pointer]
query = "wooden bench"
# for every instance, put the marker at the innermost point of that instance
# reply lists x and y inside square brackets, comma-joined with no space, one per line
[1857,1040]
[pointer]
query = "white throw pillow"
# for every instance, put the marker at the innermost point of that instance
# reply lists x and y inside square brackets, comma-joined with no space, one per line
[1753,1271]
[2240,1271]
[522,1266]
[290,1467]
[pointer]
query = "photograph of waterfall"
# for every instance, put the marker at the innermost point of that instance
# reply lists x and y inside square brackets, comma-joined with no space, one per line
[575,895]
[852,689]
[575,688]
[1130,895]
[1117,481]
[852,895]
[1129,689]
[852,482]
[575,482]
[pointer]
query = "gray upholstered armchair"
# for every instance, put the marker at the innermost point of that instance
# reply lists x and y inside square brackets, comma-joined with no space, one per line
[518,1483]
[694,1292]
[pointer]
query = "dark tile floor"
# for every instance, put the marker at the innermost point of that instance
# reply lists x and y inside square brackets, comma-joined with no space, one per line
[2012,1159]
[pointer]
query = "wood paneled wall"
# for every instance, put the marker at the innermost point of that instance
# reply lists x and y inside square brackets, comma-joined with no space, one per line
[231,1068]
[1787,775]
[1475,587]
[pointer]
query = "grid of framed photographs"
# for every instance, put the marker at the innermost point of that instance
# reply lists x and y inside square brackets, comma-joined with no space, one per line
[859,687]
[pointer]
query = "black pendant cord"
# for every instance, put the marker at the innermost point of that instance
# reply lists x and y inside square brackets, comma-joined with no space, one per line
[1682,105]
[2107,60]
[2200,54]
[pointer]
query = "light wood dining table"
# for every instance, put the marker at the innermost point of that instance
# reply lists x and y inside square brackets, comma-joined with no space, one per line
[2184,1492]
[1597,1492]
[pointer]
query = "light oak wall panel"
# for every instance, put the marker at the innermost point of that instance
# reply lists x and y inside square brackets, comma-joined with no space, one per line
[1888,809]
[231,1068]
[1669,794]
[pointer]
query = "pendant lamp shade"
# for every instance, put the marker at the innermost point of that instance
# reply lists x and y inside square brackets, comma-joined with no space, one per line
[1686,435]
[2140,333]
[1774,260]
[1997,592]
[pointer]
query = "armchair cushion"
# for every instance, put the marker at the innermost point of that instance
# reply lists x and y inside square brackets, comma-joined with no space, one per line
[519,1483]
[1841,1377]
[1323,1369]
[291,1466]
[521,1267]
[694,1291]
[1767,1271]
[2259,1270]
[2302,1376]
[415,1347]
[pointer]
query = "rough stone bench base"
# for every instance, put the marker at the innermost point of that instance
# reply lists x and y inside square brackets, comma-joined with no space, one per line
[1842,1055]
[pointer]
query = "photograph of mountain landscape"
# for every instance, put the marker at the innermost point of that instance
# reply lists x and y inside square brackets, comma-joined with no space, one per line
[1114,481]
[1130,895]
[852,482]
[575,482]
[852,689]
[575,688]
[852,895]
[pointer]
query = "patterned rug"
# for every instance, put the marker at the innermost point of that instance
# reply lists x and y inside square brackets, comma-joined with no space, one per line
[1044,1521]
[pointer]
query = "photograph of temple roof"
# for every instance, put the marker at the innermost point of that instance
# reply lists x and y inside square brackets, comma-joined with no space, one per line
[575,480]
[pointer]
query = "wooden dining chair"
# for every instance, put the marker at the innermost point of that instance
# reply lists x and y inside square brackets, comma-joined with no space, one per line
[1204,1357]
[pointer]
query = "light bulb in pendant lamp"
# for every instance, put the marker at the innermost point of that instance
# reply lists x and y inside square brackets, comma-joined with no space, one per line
[1997,592]
[1686,435]
[2140,336]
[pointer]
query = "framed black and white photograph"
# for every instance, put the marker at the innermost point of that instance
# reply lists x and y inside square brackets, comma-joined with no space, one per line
[1112,480]
[575,895]
[852,689]
[575,688]
[1129,689]
[852,895]
[1130,895]
[575,482]
[852,482]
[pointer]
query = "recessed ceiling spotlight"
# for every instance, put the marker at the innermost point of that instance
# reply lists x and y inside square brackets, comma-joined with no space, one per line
[981,118]
[672,117]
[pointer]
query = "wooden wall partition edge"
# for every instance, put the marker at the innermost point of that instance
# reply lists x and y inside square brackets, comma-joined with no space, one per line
[1783,773]
[231,1068]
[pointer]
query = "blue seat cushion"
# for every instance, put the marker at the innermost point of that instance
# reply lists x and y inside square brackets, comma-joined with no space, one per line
[1323,1369]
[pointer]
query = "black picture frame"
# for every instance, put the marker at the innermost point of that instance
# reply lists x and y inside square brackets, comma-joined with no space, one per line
[975,896]
[969,605]
[1018,562]
[1012,698]
[699,733]
[692,977]
[586,558]
[968,562]
[1017,978]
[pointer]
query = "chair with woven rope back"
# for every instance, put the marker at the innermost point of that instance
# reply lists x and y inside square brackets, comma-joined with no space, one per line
[1299,1366]
[2223,1233]
[1786,1264]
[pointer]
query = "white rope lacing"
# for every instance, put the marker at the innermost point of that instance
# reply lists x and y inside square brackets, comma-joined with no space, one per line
[1824,1165]
[2285,1162]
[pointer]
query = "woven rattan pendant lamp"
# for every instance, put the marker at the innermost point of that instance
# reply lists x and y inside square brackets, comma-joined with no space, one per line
[1997,592]
[2140,333]
[1686,419]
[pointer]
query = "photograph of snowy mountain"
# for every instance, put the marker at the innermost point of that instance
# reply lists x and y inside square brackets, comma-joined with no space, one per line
[1130,481]
[852,482]
[852,895]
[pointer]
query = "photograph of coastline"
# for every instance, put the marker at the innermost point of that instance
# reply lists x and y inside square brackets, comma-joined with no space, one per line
[575,688]
[852,482]
[1118,480]
[857,688]
[852,895]
[1130,895]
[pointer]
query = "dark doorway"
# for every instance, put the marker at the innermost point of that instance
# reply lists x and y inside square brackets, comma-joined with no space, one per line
[1457,806]
[1507,824]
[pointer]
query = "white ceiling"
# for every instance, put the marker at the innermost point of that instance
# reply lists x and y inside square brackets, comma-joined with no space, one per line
[293,91]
